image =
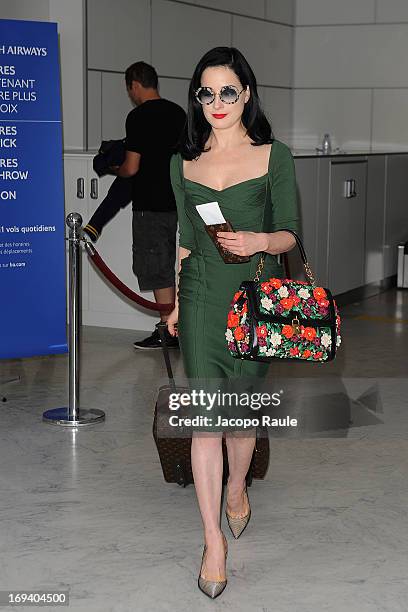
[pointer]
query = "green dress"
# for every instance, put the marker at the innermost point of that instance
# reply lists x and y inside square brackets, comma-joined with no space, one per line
[207,284]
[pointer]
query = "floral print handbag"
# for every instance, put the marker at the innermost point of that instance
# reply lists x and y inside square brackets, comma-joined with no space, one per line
[283,318]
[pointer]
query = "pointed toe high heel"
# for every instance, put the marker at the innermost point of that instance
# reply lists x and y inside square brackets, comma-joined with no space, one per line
[237,524]
[212,588]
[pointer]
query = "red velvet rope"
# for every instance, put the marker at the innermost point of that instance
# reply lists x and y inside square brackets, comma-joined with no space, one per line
[116,282]
[129,293]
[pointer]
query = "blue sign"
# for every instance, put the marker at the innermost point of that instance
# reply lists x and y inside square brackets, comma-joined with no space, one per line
[32,228]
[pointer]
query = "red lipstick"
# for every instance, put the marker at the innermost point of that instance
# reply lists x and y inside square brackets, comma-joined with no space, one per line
[218,116]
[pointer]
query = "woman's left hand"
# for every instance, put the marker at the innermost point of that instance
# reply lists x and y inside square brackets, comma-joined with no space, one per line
[243,243]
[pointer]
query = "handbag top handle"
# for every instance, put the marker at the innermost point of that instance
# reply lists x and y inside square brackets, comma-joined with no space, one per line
[267,221]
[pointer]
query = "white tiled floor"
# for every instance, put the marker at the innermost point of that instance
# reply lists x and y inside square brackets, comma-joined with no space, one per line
[88,511]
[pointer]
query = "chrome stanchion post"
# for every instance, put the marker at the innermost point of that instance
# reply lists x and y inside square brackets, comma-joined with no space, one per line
[74,222]
[73,415]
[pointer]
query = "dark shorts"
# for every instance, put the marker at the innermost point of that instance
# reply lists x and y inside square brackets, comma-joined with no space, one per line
[154,248]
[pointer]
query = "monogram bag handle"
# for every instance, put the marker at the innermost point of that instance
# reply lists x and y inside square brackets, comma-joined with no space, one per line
[161,326]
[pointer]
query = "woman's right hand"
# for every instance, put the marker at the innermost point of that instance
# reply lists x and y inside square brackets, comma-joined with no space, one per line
[172,321]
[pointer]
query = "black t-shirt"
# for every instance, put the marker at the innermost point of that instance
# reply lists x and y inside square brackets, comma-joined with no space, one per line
[153,129]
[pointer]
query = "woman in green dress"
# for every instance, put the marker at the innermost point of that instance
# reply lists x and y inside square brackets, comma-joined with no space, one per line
[227,154]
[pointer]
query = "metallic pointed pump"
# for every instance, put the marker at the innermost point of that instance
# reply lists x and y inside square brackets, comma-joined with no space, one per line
[212,588]
[238,524]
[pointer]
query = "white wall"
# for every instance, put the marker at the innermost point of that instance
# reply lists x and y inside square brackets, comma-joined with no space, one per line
[351,74]
[29,10]
[173,36]
[70,17]
[321,65]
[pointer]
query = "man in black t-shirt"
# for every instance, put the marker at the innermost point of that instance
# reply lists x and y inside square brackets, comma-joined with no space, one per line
[152,132]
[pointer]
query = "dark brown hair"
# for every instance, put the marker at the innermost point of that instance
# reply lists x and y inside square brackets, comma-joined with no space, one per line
[145,74]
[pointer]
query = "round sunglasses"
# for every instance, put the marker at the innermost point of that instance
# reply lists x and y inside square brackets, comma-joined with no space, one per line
[229,94]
